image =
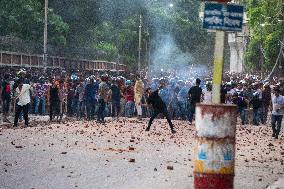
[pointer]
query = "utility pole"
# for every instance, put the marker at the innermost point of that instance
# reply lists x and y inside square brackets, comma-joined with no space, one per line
[45,35]
[139,45]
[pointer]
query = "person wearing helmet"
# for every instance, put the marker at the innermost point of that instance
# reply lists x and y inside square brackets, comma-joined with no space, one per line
[158,107]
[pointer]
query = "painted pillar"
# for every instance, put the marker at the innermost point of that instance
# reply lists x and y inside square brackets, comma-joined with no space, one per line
[218,66]
[214,153]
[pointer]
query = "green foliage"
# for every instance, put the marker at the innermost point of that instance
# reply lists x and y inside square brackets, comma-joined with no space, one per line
[252,55]
[25,19]
[266,30]
[107,26]
[110,50]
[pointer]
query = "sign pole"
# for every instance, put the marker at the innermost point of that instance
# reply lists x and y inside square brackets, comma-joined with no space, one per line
[218,66]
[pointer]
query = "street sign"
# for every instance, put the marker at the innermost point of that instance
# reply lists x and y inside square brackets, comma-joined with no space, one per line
[226,17]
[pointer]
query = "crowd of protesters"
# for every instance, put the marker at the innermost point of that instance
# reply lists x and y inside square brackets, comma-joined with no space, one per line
[94,95]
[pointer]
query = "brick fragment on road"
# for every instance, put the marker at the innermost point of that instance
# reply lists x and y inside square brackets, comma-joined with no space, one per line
[157,145]
[270,144]
[169,167]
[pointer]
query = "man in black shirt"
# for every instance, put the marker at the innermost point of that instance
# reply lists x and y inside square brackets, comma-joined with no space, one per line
[194,95]
[115,99]
[54,101]
[158,107]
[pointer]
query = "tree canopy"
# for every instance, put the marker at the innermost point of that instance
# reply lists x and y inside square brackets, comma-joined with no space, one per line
[109,28]
[25,19]
[267,29]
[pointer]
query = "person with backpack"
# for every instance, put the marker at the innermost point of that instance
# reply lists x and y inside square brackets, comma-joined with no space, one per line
[6,97]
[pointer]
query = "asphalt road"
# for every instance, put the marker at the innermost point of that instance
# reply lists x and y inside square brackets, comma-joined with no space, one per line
[89,155]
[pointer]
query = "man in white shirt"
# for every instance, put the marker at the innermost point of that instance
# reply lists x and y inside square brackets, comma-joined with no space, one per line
[23,100]
[277,112]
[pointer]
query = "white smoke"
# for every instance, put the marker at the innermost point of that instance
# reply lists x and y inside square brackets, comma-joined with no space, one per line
[167,56]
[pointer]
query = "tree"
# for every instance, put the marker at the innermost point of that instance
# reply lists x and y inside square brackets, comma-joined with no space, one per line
[108,29]
[25,19]
[266,31]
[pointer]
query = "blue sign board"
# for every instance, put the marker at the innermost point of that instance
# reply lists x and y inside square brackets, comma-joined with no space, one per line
[227,17]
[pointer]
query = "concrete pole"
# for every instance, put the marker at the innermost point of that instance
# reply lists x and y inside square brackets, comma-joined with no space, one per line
[45,35]
[139,45]
[218,66]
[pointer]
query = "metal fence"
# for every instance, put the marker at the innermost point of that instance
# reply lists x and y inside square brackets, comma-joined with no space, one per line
[16,52]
